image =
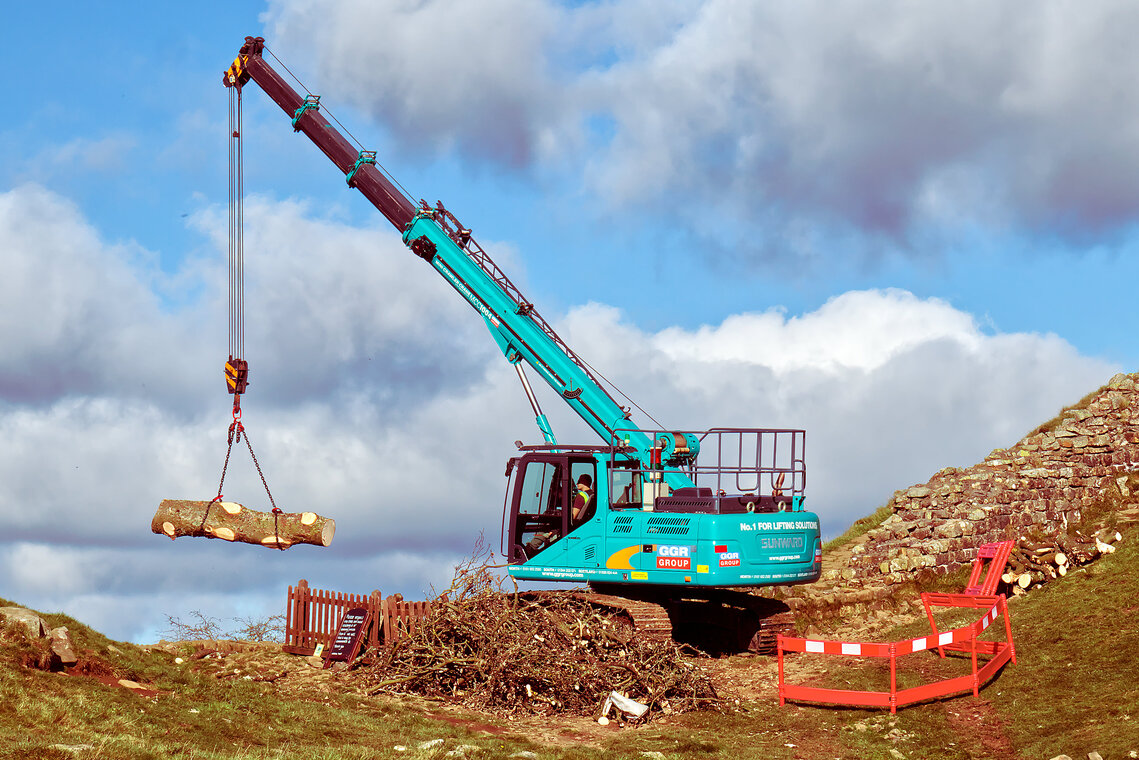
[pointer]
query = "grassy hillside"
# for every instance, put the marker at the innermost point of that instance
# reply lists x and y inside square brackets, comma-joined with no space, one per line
[1073,691]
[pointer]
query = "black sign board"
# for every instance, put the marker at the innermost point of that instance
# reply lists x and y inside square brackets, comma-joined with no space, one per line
[349,637]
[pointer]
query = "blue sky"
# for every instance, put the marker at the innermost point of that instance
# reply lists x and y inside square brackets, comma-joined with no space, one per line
[909,230]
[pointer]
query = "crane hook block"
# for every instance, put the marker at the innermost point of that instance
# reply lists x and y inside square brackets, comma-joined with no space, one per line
[236,375]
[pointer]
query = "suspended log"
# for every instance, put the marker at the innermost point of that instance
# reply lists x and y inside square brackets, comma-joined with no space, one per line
[231,521]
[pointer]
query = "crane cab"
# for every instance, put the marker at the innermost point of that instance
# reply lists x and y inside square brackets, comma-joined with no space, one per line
[597,514]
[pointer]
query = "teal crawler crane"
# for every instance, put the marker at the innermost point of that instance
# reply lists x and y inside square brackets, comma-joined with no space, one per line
[661,523]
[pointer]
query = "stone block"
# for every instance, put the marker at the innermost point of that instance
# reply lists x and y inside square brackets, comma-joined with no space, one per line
[62,647]
[31,622]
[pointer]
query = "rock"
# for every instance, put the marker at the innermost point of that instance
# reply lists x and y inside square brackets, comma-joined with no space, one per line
[61,646]
[463,750]
[653,755]
[30,620]
[431,744]
[950,529]
[1121,382]
[128,684]
[527,754]
[918,492]
[1093,755]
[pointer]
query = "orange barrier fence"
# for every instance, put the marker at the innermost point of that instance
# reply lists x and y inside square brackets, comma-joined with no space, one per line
[313,615]
[964,639]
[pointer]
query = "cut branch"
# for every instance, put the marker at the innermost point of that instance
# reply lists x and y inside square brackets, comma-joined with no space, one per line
[232,522]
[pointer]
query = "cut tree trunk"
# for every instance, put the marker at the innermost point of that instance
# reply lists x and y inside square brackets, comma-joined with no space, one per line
[232,522]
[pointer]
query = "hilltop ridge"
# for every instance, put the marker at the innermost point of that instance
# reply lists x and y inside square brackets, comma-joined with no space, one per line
[1083,465]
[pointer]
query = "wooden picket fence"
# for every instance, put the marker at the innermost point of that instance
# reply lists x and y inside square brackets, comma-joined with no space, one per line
[313,615]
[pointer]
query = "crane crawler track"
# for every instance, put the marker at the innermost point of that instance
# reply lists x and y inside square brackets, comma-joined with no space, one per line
[720,621]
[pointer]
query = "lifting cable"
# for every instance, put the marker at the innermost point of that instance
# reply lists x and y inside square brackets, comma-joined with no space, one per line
[236,368]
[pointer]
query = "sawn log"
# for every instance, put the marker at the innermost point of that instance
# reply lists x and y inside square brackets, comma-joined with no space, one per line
[231,521]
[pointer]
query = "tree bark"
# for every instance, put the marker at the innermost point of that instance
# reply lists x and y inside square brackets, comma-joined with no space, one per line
[231,521]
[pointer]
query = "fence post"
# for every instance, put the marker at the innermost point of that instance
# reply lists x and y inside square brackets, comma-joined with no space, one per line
[1008,628]
[779,655]
[893,678]
[375,609]
[302,612]
[973,658]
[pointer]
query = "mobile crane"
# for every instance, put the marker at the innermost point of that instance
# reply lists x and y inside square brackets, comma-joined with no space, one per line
[654,520]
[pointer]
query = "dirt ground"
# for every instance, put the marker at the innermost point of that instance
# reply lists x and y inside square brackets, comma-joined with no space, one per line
[748,677]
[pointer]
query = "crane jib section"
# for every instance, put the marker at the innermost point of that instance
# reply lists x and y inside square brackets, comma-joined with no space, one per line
[517,328]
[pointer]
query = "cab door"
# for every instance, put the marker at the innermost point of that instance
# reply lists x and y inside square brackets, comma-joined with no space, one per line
[539,514]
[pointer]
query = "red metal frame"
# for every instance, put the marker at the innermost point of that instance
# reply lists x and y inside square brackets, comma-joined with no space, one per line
[960,639]
[978,594]
[997,554]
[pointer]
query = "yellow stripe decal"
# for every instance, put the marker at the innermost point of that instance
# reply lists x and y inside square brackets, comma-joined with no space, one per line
[619,560]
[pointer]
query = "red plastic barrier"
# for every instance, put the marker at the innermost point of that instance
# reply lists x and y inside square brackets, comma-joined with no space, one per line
[962,639]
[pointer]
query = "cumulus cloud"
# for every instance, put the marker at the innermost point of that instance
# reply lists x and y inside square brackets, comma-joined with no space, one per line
[442,74]
[883,119]
[379,400]
[889,387]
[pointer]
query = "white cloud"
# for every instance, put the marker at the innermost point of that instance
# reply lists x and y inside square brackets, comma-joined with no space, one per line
[854,330]
[889,387]
[443,73]
[378,400]
[883,118]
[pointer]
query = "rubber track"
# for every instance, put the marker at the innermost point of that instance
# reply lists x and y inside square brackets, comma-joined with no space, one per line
[770,628]
[649,618]
[652,620]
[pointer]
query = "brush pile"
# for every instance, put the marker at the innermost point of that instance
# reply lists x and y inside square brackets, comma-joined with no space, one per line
[500,652]
[1033,563]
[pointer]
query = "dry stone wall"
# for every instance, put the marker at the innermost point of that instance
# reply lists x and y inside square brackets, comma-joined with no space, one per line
[1042,484]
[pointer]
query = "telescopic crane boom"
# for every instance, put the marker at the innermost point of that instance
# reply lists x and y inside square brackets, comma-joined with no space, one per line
[638,513]
[433,234]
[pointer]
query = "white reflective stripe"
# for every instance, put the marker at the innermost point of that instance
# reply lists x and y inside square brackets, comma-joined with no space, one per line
[852,649]
[985,622]
[945,638]
[814,646]
[920,644]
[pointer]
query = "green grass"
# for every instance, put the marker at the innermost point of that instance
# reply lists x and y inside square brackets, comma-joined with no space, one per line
[859,528]
[1055,422]
[1074,688]
[1072,691]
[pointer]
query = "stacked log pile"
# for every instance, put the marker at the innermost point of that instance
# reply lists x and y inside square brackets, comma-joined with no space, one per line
[500,652]
[1034,563]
